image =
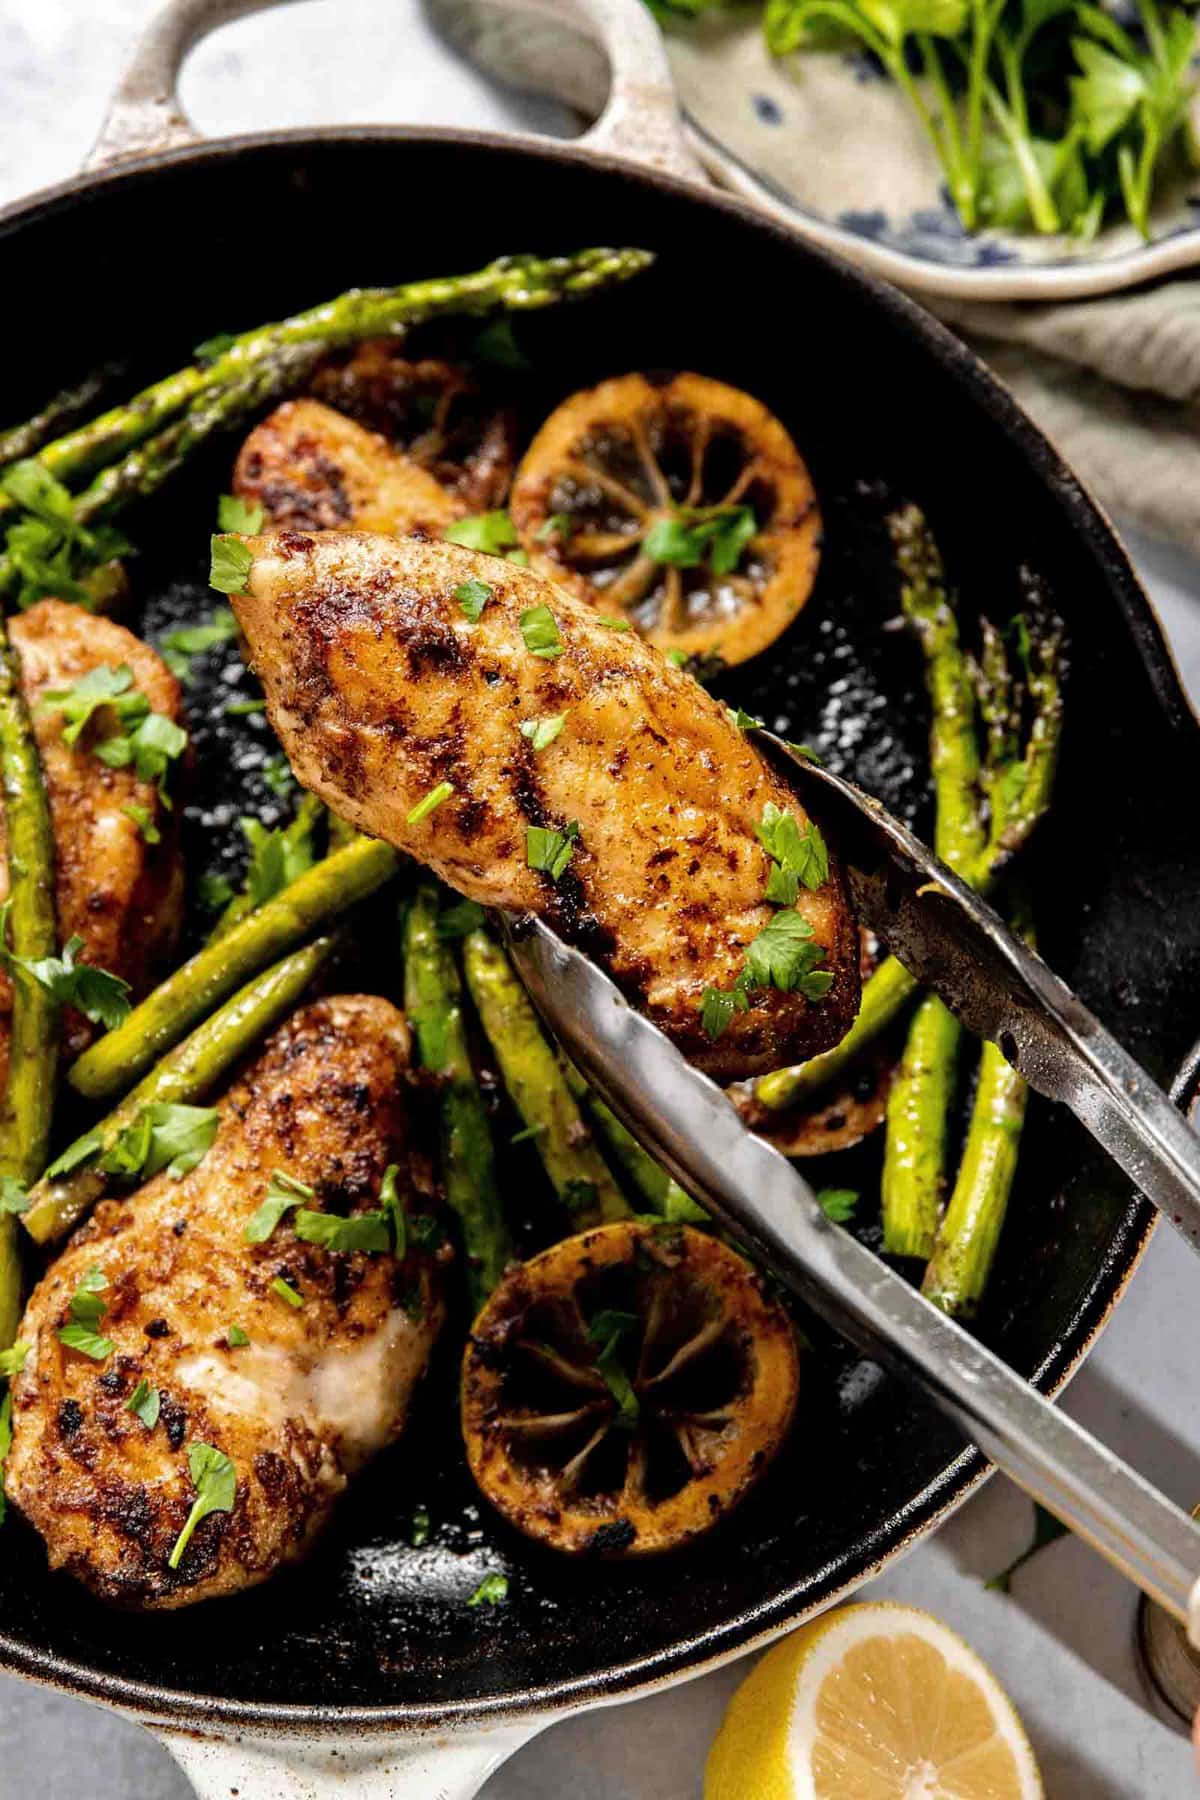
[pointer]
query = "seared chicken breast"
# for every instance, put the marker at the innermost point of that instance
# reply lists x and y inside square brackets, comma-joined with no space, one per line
[318,1388]
[413,718]
[121,895]
[311,467]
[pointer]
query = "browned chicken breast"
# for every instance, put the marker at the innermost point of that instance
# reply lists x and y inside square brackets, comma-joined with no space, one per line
[121,895]
[331,1360]
[419,723]
[311,467]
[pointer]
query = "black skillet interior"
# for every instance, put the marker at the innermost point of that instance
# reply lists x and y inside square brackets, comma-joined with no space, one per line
[145,268]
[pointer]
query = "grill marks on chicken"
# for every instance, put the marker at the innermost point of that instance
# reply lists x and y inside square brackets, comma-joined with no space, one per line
[122,896]
[313,469]
[299,1409]
[381,688]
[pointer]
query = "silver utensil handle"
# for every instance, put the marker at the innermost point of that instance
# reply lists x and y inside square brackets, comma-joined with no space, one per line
[686,1121]
[639,122]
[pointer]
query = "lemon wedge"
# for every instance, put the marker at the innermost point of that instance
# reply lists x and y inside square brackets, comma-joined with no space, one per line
[872,1702]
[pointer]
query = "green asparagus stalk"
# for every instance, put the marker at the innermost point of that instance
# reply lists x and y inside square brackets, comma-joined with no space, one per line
[265,359]
[917,1129]
[970,1229]
[661,1193]
[187,1074]
[20,441]
[433,1001]
[305,905]
[538,1088]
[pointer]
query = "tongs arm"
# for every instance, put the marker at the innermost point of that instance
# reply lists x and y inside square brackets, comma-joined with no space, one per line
[686,1121]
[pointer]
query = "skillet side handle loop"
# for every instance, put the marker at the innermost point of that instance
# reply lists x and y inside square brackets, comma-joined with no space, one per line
[342,1766]
[641,122]
[145,116]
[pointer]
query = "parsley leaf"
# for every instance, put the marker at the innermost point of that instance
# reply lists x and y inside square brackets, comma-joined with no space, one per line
[277,776]
[143,818]
[718,1007]
[607,1330]
[108,685]
[188,641]
[283,1192]
[695,534]
[611,624]
[47,546]
[12,1360]
[491,1590]
[784,956]
[430,802]
[491,532]
[557,525]
[162,1136]
[74,1154]
[145,1402]
[234,514]
[215,1481]
[541,732]
[418,1532]
[88,1307]
[743,720]
[473,596]
[392,1209]
[213,347]
[838,1204]
[236,1338]
[457,921]
[214,892]
[99,996]
[13,1197]
[539,628]
[548,851]
[359,1231]
[801,853]
[230,567]
[285,1291]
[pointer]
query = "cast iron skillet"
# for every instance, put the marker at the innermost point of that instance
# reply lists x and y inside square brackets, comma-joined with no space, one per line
[373,1639]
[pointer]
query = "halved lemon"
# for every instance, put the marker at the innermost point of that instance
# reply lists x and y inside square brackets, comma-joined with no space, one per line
[872,1702]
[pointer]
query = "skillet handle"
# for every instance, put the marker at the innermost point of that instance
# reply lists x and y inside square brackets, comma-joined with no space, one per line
[344,1766]
[639,121]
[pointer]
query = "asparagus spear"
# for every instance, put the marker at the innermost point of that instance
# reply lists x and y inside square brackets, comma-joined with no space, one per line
[20,441]
[188,1073]
[305,905]
[268,355]
[662,1194]
[970,1230]
[433,1001]
[917,1127]
[535,1080]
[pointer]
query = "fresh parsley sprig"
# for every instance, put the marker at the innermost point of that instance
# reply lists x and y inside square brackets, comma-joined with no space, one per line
[215,1481]
[693,535]
[99,996]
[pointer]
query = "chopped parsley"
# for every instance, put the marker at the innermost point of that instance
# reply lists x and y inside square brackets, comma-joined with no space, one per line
[457,921]
[146,741]
[214,892]
[491,1590]
[838,1204]
[229,570]
[236,1338]
[611,624]
[491,532]
[795,852]
[472,597]
[214,347]
[541,732]
[391,1209]
[743,720]
[557,525]
[162,1136]
[88,1307]
[784,956]
[677,658]
[432,800]
[143,818]
[285,1291]
[549,851]
[418,1531]
[696,534]
[283,1193]
[277,857]
[48,549]
[13,1197]
[607,1330]
[144,1403]
[12,1360]
[277,776]
[234,514]
[359,1231]
[718,1007]
[74,1154]
[244,709]
[99,996]
[539,628]
[179,646]
[215,1481]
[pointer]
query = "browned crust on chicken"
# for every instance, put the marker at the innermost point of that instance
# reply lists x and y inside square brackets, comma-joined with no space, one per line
[313,469]
[122,896]
[317,1390]
[381,688]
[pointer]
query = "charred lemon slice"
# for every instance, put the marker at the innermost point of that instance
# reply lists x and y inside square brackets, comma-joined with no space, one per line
[435,411]
[624,1390]
[682,506]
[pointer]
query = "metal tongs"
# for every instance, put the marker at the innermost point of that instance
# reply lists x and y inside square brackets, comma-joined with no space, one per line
[954,943]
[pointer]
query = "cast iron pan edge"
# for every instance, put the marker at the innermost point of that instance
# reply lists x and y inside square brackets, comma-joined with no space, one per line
[758,1624]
